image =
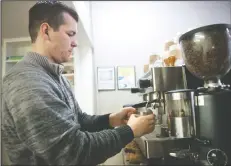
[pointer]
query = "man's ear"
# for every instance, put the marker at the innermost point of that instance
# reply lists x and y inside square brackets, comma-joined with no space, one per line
[44,31]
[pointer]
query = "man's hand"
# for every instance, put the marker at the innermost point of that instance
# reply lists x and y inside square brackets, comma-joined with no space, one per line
[142,125]
[120,118]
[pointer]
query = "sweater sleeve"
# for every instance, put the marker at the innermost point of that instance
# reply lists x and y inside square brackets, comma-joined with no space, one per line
[46,126]
[93,123]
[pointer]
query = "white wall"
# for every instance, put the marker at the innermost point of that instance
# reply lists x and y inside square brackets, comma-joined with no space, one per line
[85,80]
[15,18]
[126,33]
[83,9]
[85,86]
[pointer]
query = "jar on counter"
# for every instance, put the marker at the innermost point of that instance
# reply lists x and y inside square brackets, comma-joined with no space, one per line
[154,61]
[146,68]
[175,51]
[153,58]
[167,44]
[168,59]
[159,63]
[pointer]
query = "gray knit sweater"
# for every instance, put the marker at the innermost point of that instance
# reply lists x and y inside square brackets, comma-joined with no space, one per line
[42,123]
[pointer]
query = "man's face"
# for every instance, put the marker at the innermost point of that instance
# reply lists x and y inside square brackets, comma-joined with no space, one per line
[61,43]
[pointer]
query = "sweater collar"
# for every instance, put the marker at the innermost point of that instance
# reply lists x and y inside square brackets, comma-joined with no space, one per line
[43,61]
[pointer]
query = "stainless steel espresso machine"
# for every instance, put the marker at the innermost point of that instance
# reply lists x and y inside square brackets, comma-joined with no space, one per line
[192,103]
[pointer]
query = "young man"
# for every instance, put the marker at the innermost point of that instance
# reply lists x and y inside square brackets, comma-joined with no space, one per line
[42,122]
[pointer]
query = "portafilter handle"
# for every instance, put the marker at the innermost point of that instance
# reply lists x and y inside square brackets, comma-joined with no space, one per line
[137,90]
[137,105]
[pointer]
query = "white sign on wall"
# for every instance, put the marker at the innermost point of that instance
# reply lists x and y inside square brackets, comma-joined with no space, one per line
[106,78]
[126,77]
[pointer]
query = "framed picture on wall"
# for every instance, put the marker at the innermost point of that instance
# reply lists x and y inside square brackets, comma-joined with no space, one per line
[126,77]
[106,78]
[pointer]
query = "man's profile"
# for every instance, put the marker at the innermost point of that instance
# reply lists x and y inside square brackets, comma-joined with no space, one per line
[42,122]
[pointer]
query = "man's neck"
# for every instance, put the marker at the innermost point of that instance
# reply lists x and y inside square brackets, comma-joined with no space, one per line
[41,52]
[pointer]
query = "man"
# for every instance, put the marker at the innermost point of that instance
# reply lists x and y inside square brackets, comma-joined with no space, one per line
[42,122]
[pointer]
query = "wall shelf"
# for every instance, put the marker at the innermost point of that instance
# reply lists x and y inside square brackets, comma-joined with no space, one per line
[13,51]
[70,64]
[12,61]
[15,48]
[69,74]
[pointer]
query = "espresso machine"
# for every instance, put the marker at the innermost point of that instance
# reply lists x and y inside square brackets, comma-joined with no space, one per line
[192,103]
[163,89]
[207,55]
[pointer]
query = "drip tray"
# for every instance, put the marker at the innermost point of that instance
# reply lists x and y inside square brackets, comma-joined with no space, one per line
[153,146]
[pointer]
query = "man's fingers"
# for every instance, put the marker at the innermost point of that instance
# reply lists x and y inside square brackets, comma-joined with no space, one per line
[150,117]
[130,109]
[133,115]
[130,113]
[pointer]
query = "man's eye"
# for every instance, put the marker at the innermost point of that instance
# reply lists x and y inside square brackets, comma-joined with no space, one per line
[70,34]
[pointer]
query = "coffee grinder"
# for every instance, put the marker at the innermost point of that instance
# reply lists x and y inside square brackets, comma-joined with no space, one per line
[207,55]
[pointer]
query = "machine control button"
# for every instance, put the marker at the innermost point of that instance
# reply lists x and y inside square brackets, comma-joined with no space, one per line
[217,157]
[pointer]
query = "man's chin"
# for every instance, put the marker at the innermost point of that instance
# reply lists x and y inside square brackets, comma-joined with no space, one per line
[66,60]
[69,57]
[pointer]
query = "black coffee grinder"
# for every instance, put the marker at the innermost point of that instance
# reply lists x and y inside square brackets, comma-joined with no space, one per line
[207,55]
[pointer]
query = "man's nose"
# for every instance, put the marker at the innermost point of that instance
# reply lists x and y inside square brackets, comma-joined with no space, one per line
[74,44]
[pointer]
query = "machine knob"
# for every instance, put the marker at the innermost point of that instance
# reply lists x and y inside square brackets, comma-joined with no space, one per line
[217,157]
[144,83]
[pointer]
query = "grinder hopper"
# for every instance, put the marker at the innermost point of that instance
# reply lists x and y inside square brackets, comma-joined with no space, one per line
[207,53]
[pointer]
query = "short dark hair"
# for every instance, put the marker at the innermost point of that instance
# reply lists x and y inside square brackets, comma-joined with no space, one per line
[50,12]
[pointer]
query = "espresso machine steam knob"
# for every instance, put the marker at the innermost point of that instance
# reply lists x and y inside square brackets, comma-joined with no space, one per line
[144,83]
[217,157]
